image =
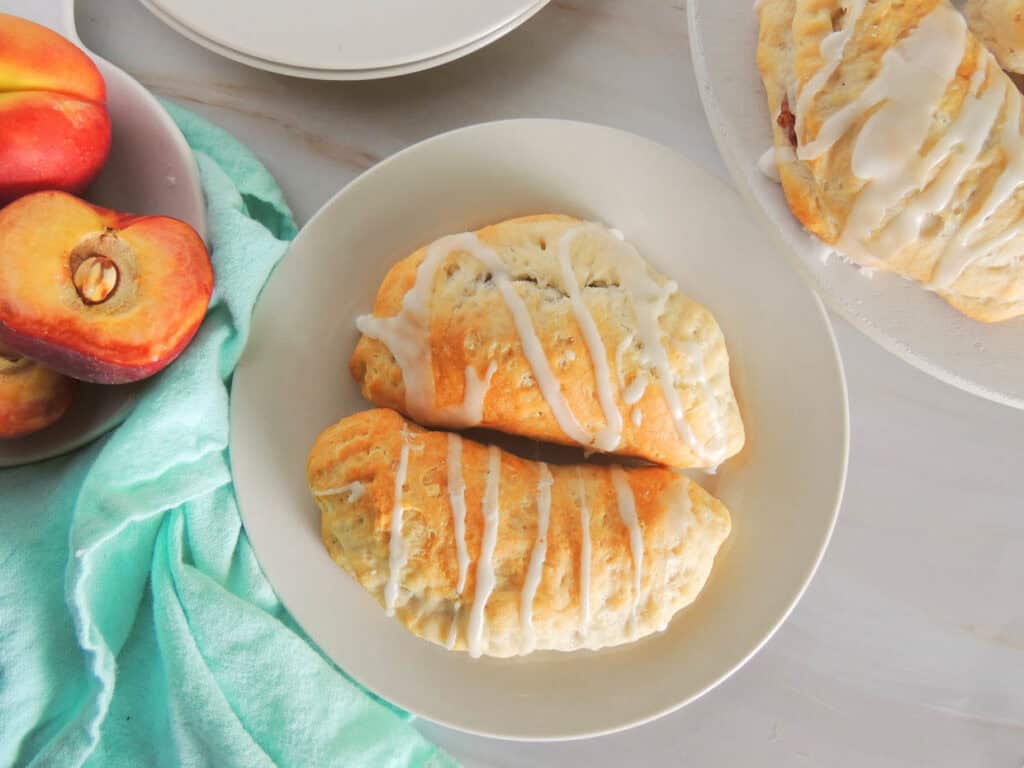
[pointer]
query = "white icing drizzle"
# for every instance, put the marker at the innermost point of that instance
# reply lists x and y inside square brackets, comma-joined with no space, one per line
[607,439]
[831,48]
[682,521]
[637,417]
[627,511]
[471,412]
[715,449]
[532,348]
[485,565]
[768,166]
[457,500]
[964,249]
[954,152]
[635,390]
[948,274]
[773,158]
[536,568]
[911,90]
[398,553]
[355,491]
[913,78]
[648,300]
[407,336]
[584,555]
[620,351]
[820,248]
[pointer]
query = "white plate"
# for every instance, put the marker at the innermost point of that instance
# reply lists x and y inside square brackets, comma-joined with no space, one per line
[784,489]
[150,170]
[344,74]
[357,39]
[987,360]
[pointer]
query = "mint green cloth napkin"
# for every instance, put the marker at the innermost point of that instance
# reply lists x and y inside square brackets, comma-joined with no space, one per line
[136,627]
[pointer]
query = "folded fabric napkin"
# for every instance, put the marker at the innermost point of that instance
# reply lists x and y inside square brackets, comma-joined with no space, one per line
[136,627]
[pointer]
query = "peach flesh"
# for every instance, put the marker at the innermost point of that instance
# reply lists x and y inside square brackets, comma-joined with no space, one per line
[95,294]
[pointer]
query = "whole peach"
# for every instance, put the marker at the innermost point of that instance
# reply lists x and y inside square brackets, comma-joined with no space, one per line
[54,126]
[31,396]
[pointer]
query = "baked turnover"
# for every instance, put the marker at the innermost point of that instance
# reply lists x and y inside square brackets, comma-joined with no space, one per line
[557,330]
[898,140]
[478,550]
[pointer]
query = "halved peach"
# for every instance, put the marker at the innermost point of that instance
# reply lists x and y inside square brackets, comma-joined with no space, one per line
[31,395]
[96,294]
[54,126]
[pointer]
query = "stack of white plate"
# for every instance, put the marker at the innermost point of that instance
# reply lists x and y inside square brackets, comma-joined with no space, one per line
[344,39]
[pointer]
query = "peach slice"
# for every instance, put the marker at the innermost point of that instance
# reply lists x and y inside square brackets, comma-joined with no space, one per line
[54,126]
[31,396]
[95,294]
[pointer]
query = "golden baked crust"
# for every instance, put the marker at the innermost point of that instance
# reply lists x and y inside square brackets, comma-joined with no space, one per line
[456,310]
[999,24]
[352,474]
[904,94]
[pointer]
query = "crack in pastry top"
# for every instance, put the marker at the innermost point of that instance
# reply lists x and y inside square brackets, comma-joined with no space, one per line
[902,101]
[407,336]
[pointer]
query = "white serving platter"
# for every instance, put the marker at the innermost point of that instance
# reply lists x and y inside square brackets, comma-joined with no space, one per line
[984,359]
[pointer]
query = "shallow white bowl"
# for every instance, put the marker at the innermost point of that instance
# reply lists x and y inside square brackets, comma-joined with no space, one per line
[151,170]
[784,489]
[986,360]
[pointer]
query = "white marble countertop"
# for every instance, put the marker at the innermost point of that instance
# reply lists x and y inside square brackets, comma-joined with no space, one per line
[908,648]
